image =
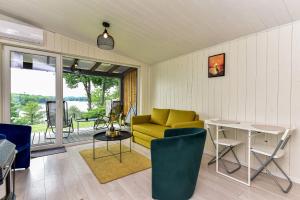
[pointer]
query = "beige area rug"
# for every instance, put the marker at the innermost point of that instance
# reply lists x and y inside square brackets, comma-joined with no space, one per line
[109,168]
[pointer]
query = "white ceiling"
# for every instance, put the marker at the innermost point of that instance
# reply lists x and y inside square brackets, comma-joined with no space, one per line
[154,30]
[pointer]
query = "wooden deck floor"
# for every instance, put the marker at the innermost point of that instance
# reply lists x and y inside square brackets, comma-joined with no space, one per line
[84,134]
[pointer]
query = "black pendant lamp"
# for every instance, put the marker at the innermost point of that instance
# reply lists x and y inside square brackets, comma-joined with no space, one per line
[104,40]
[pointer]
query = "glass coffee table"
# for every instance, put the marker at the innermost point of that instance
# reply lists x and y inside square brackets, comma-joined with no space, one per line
[101,136]
[84,120]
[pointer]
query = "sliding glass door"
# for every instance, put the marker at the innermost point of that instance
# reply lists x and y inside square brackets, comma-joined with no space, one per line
[32,94]
[87,92]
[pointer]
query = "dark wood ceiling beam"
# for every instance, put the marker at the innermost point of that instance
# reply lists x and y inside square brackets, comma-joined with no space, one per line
[93,73]
[97,64]
[73,66]
[114,67]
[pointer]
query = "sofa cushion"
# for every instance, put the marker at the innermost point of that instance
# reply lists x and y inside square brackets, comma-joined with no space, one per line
[179,116]
[153,130]
[159,116]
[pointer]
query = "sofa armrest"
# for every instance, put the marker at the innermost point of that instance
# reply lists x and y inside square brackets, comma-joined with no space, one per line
[140,119]
[193,124]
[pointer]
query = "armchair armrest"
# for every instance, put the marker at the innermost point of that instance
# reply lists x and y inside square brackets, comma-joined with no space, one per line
[2,136]
[192,124]
[20,148]
[173,132]
[140,119]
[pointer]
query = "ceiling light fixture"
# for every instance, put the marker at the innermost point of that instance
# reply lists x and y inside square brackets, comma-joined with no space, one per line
[104,40]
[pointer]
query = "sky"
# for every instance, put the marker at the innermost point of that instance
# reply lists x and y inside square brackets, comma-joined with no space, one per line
[39,83]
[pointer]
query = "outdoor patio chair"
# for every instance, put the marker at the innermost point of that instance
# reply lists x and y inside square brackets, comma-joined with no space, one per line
[51,118]
[272,153]
[116,111]
[131,112]
[229,145]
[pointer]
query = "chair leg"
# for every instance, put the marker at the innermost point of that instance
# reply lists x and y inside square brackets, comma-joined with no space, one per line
[45,135]
[237,161]
[262,167]
[95,125]
[222,153]
[32,138]
[286,176]
[52,129]
[72,127]
[69,132]
[285,190]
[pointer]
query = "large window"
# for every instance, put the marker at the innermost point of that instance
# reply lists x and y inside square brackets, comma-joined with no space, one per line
[63,104]
[32,86]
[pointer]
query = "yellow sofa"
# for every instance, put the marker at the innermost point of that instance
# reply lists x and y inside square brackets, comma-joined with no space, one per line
[148,127]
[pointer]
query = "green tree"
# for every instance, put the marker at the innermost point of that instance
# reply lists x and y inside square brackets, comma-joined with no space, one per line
[105,83]
[73,80]
[74,112]
[96,96]
[111,94]
[108,83]
[32,113]
[14,111]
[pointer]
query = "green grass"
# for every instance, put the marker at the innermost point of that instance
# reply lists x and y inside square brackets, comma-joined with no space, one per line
[42,127]
[38,128]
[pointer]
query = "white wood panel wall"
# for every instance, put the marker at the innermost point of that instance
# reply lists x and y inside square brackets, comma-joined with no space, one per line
[262,84]
[60,44]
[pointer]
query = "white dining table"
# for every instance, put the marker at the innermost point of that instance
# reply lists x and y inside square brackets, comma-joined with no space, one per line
[248,128]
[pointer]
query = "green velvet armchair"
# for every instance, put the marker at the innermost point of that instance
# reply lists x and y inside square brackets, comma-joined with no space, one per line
[176,162]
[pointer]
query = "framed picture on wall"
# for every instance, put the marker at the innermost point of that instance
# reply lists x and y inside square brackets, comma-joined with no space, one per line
[216,65]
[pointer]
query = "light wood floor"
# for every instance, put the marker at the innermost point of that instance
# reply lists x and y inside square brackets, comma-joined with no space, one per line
[66,176]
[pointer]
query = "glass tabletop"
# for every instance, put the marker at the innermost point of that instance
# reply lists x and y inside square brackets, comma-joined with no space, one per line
[86,120]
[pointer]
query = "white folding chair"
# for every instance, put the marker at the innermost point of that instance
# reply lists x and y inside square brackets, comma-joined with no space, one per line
[228,146]
[272,153]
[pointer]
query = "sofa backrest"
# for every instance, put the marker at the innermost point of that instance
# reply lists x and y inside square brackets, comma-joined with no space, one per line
[159,116]
[179,116]
[167,117]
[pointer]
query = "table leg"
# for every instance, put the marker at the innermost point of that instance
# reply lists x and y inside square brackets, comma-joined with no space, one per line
[130,144]
[120,151]
[249,158]
[7,182]
[14,176]
[217,149]
[94,148]
[78,127]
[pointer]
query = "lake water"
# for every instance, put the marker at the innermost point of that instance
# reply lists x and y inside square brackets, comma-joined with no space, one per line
[81,105]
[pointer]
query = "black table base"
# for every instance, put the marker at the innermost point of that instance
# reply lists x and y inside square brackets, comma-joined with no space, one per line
[107,147]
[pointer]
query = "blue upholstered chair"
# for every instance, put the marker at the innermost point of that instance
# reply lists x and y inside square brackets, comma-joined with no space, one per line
[176,160]
[20,136]
[2,137]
